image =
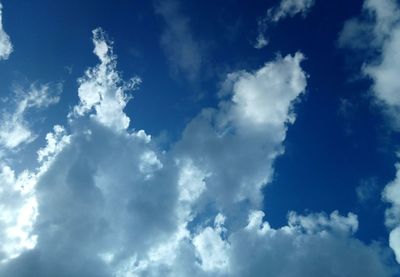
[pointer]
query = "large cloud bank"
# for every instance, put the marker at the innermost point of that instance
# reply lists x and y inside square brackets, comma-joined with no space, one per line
[105,200]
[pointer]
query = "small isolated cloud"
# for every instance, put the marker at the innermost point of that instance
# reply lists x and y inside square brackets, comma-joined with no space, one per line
[5,43]
[290,8]
[181,48]
[367,191]
[286,8]
[15,129]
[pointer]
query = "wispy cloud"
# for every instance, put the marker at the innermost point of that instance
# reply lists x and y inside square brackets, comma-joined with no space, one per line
[286,8]
[15,129]
[180,46]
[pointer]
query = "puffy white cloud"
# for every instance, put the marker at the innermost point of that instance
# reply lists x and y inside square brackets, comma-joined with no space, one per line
[105,196]
[211,248]
[18,211]
[314,245]
[377,31]
[6,47]
[102,88]
[235,145]
[15,129]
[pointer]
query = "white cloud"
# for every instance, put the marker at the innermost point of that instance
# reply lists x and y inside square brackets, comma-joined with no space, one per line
[211,248]
[236,144]
[18,211]
[379,31]
[290,8]
[15,129]
[102,88]
[392,195]
[5,44]
[110,203]
[107,186]
[286,8]
[314,245]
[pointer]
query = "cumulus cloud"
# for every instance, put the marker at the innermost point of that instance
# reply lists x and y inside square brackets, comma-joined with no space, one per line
[286,8]
[104,200]
[313,245]
[18,210]
[5,43]
[102,88]
[15,128]
[235,145]
[378,34]
[101,183]
[392,195]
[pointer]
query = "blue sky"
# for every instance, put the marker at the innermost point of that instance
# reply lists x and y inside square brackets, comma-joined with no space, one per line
[204,138]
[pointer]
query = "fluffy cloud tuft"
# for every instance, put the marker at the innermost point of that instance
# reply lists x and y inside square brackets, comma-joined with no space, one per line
[102,88]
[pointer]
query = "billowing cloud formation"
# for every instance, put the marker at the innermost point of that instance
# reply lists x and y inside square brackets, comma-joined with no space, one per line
[286,8]
[253,112]
[102,88]
[104,200]
[15,129]
[378,31]
[5,44]
[314,245]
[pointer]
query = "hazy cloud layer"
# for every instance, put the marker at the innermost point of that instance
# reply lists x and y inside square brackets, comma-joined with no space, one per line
[182,50]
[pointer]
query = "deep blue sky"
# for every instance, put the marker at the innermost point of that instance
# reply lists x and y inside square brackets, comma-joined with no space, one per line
[331,149]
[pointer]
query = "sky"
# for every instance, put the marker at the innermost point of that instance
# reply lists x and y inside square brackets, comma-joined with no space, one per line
[199,138]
